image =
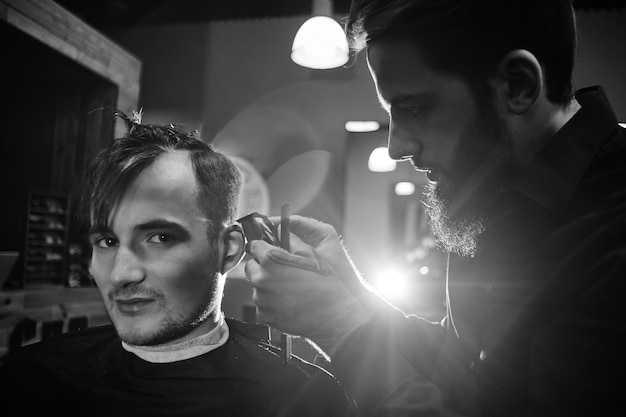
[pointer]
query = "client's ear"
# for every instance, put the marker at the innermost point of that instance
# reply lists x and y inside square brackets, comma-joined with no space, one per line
[234,247]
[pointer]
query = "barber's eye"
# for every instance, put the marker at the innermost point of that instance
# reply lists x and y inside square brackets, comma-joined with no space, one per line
[415,111]
[409,111]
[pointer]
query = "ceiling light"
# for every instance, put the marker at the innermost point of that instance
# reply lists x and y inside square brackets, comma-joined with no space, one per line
[320,43]
[404,188]
[359,126]
[379,160]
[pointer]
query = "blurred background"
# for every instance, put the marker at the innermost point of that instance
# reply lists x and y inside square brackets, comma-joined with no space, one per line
[225,69]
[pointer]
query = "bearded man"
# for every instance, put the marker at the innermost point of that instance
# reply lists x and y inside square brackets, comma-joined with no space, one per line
[527,194]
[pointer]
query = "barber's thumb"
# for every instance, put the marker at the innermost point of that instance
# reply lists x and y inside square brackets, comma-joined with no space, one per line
[255,248]
[300,262]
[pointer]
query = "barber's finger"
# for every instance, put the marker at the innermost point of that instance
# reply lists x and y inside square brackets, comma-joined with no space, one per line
[251,268]
[257,248]
[298,247]
[311,231]
[314,264]
[269,256]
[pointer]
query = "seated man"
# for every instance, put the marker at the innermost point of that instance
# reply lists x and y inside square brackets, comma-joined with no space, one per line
[161,206]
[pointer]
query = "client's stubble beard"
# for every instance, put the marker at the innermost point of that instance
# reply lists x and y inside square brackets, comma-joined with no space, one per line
[483,162]
[176,325]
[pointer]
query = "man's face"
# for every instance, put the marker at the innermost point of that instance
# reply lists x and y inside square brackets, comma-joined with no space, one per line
[447,130]
[156,270]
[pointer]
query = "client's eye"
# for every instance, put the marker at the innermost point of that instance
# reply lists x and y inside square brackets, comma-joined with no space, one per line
[105,242]
[160,238]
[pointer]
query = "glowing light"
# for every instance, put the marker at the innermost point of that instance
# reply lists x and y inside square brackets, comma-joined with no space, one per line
[424,270]
[404,188]
[622,124]
[359,126]
[390,282]
[320,43]
[379,160]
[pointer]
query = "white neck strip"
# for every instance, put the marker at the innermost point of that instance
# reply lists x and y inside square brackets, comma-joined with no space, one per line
[188,349]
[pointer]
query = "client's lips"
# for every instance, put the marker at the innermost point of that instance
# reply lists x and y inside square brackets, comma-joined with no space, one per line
[133,305]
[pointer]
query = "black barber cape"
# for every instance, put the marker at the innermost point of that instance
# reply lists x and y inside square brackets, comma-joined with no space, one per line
[89,373]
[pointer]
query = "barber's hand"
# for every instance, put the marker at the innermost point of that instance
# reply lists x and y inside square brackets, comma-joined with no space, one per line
[314,291]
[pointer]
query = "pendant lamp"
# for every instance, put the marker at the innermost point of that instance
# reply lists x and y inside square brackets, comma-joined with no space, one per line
[320,43]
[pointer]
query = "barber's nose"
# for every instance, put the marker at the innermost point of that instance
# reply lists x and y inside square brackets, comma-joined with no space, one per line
[127,268]
[402,142]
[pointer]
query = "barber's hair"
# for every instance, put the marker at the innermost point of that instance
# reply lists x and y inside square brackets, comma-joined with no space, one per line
[114,169]
[469,37]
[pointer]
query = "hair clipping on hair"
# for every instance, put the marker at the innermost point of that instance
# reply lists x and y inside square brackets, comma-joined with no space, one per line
[136,117]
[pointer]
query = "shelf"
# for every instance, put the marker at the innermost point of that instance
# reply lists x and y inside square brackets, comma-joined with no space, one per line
[44,211]
[46,255]
[47,228]
[39,260]
[46,245]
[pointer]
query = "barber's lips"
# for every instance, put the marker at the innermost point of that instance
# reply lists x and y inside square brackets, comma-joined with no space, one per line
[133,305]
[433,176]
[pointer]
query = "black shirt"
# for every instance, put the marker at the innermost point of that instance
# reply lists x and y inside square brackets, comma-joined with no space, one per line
[539,311]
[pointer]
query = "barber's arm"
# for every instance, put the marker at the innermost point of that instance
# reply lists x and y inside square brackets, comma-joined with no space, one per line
[383,357]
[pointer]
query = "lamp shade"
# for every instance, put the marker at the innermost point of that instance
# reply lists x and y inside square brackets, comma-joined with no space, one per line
[379,160]
[320,43]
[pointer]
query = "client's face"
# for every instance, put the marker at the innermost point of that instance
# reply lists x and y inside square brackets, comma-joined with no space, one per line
[154,266]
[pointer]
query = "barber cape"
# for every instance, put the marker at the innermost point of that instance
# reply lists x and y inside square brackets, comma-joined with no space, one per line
[91,373]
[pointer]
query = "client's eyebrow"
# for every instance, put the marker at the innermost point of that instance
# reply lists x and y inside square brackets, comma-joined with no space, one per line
[98,229]
[157,224]
[162,224]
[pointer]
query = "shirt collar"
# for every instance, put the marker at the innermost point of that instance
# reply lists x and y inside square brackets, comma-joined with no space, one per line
[188,349]
[552,176]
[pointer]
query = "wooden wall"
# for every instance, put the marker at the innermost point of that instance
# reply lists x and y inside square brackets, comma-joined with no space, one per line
[56,73]
[63,32]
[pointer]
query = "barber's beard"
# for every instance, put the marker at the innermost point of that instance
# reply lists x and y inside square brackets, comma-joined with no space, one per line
[458,208]
[454,234]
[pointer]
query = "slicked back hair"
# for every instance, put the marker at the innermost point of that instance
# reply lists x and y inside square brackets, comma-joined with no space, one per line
[469,37]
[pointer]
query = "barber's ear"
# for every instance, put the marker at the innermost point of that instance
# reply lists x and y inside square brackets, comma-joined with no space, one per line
[234,246]
[521,77]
